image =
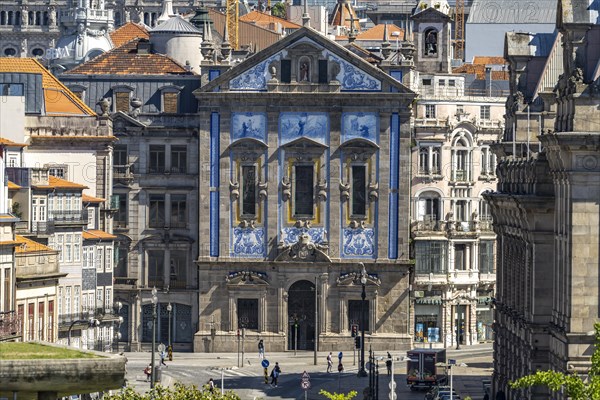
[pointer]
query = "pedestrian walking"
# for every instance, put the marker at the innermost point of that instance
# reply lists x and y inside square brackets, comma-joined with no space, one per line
[329,363]
[163,355]
[148,372]
[275,372]
[388,363]
[261,349]
[211,385]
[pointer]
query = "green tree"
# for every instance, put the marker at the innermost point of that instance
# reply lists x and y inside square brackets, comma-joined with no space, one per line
[278,10]
[338,396]
[576,387]
[177,392]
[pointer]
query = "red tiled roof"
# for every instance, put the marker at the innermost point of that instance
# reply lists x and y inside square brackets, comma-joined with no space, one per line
[127,33]
[479,71]
[26,245]
[8,142]
[86,198]
[58,100]
[97,235]
[59,183]
[125,60]
[264,19]
[484,60]
[376,33]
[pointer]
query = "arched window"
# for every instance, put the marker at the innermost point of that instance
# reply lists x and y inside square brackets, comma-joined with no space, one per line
[37,52]
[429,206]
[38,17]
[461,157]
[117,19]
[46,19]
[431,42]
[31,18]
[10,18]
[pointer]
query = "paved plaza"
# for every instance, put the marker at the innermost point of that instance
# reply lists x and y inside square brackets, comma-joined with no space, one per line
[248,381]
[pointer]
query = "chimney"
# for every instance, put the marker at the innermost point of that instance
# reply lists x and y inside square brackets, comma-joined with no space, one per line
[144,46]
[488,80]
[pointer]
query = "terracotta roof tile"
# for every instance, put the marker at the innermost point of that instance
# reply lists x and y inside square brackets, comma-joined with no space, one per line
[489,60]
[263,19]
[86,198]
[13,186]
[125,60]
[342,14]
[376,33]
[479,70]
[59,183]
[96,234]
[58,99]
[26,245]
[127,33]
[7,142]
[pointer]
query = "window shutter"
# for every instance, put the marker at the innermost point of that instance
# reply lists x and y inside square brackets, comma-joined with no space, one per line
[170,102]
[122,102]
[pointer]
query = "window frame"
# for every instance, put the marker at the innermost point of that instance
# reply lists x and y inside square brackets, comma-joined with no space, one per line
[177,222]
[253,189]
[154,221]
[179,167]
[295,185]
[154,157]
[353,192]
[485,112]
[430,111]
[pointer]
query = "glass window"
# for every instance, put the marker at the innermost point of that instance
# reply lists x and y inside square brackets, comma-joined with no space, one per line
[99,258]
[426,82]
[156,267]
[157,211]
[461,208]
[248,184]
[430,111]
[430,257]
[120,217]
[170,102]
[121,257]
[359,190]
[177,269]
[120,155]
[303,190]
[99,298]
[247,311]
[68,300]
[429,207]
[451,82]
[442,82]
[107,298]
[486,256]
[76,247]
[157,159]
[179,159]
[460,260]
[11,89]
[108,259]
[178,210]
[484,112]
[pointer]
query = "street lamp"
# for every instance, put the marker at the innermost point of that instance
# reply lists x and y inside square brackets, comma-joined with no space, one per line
[154,303]
[169,309]
[363,296]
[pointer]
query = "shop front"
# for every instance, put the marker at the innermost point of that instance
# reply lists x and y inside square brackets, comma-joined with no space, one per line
[428,320]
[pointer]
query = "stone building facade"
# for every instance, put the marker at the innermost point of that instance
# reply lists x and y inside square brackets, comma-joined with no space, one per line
[304,152]
[546,210]
[458,116]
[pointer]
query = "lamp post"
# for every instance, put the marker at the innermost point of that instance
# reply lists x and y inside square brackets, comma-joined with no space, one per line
[169,309]
[458,326]
[154,303]
[363,296]
[451,363]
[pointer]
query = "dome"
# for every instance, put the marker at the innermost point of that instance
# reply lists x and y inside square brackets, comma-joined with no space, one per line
[176,25]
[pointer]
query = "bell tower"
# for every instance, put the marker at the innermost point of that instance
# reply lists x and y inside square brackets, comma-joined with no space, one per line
[432,36]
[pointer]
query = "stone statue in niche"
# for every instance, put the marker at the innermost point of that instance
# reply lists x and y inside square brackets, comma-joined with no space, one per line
[431,43]
[304,71]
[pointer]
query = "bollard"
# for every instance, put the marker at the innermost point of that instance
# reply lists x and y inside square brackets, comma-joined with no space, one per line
[266,376]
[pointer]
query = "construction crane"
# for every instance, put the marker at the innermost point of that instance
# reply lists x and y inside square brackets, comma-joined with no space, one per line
[232,19]
[459,30]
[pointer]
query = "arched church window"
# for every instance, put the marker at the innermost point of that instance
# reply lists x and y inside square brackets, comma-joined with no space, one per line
[431,42]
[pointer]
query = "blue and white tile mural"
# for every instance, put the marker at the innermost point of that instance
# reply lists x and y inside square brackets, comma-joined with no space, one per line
[290,235]
[352,78]
[249,125]
[360,125]
[248,242]
[255,78]
[358,242]
[293,125]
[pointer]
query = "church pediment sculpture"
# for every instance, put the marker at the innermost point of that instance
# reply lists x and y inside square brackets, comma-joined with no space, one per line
[353,278]
[247,278]
[303,250]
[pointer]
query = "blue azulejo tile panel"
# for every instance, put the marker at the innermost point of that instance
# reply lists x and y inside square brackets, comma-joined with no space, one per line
[358,242]
[290,235]
[295,125]
[360,125]
[249,125]
[248,242]
[255,78]
[214,224]
[352,78]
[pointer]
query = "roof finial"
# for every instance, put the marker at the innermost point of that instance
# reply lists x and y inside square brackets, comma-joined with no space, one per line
[305,16]
[167,12]
[385,44]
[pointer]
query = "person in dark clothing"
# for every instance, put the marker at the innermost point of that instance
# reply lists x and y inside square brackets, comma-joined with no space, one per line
[261,349]
[388,363]
[275,372]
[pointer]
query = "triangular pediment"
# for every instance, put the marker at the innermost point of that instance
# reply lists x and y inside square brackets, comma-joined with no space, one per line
[430,14]
[120,119]
[347,71]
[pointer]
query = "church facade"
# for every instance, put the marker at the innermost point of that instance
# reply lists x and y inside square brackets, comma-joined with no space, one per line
[304,178]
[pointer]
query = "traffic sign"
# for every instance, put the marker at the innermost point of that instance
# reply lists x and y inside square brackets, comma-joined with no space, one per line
[393,396]
[265,363]
[305,376]
[305,385]
[392,385]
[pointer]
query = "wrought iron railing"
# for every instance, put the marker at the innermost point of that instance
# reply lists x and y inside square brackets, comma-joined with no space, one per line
[10,324]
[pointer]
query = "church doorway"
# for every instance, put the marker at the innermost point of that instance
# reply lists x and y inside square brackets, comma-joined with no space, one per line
[301,316]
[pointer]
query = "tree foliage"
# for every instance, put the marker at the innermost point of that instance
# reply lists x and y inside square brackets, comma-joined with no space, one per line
[338,396]
[576,387]
[278,10]
[177,392]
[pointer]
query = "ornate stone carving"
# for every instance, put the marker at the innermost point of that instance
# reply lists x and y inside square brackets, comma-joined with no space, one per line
[262,190]
[286,188]
[234,190]
[104,104]
[322,190]
[344,191]
[303,250]
[373,191]
[135,104]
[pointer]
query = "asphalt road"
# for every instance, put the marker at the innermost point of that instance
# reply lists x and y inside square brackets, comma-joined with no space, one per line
[248,381]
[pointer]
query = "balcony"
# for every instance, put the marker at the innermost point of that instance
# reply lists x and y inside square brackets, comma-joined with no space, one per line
[123,172]
[67,319]
[463,277]
[428,227]
[37,228]
[68,217]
